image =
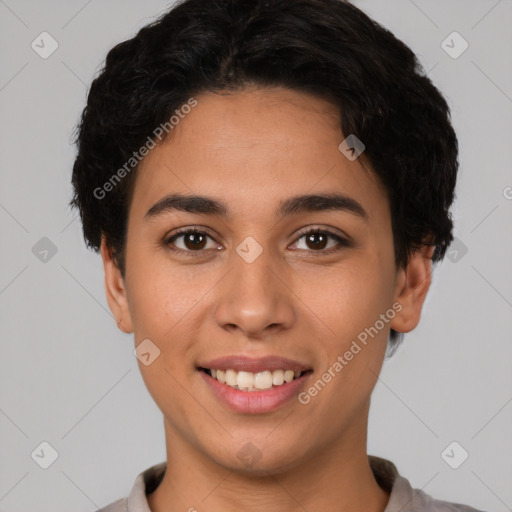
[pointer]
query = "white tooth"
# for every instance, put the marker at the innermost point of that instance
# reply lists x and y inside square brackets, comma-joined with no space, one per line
[277,377]
[245,380]
[248,381]
[231,377]
[288,375]
[263,380]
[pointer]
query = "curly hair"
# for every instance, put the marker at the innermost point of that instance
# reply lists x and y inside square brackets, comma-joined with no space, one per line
[328,48]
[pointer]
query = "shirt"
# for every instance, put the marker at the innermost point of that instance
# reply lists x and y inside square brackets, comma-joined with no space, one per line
[403,498]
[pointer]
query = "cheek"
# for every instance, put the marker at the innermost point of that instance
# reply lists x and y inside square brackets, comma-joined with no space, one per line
[165,307]
[349,298]
[160,296]
[351,304]
[162,309]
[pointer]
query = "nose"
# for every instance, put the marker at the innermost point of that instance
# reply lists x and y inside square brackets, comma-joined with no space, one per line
[255,298]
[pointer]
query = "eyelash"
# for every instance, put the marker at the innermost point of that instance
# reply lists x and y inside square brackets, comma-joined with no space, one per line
[194,254]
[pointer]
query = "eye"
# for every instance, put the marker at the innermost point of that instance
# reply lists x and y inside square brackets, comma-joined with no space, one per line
[316,240]
[194,240]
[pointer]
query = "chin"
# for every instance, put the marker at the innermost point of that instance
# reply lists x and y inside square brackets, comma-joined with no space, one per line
[255,462]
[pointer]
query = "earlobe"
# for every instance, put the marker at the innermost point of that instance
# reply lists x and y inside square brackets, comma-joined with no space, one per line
[115,289]
[412,285]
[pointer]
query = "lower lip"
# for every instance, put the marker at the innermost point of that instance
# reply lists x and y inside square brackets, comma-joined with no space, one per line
[255,402]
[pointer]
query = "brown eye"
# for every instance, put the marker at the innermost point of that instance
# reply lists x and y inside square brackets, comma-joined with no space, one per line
[317,241]
[193,241]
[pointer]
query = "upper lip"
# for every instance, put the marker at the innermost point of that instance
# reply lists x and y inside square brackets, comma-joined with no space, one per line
[254,365]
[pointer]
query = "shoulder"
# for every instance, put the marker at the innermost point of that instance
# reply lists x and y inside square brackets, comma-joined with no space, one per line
[136,501]
[422,502]
[446,506]
[403,498]
[116,506]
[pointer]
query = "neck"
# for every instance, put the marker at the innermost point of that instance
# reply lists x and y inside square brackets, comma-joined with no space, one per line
[336,477]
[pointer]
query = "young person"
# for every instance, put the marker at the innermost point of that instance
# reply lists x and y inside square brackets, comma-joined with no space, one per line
[268,183]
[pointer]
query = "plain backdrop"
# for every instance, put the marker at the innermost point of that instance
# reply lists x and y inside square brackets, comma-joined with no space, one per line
[69,378]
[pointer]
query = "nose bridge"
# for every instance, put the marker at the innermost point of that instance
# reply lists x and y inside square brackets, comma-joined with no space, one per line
[252,271]
[253,298]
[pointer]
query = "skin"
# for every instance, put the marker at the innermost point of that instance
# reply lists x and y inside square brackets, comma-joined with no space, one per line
[251,149]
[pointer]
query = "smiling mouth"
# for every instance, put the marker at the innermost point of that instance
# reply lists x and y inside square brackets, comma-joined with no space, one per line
[259,381]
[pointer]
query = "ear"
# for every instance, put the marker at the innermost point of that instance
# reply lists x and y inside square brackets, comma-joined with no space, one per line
[412,285]
[115,289]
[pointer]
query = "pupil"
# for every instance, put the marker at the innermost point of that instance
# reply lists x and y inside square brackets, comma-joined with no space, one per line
[190,238]
[317,245]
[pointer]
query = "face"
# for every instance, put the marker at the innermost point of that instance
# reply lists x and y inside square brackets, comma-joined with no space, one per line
[269,283]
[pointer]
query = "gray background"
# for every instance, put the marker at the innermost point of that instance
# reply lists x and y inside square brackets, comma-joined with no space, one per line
[69,377]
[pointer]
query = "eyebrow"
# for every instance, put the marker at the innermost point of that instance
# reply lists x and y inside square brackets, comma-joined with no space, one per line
[297,204]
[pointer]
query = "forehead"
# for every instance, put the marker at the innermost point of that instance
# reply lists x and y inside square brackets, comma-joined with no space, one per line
[254,147]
